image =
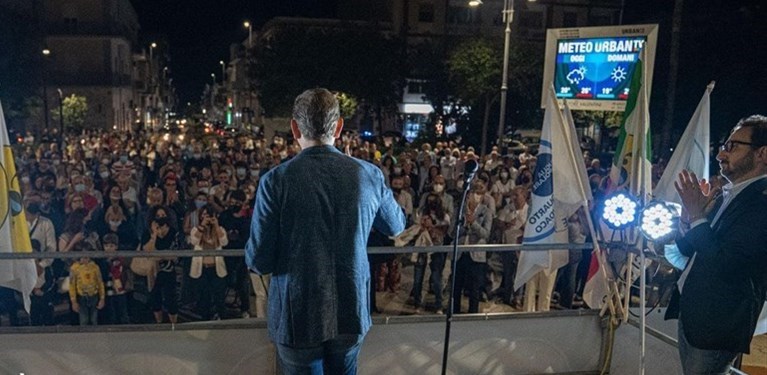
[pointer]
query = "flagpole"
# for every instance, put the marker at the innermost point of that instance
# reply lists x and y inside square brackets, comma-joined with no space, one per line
[596,249]
[627,289]
[642,240]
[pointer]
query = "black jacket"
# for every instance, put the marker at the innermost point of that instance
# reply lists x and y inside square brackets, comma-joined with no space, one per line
[725,289]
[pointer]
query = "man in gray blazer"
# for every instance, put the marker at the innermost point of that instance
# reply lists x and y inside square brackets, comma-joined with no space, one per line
[311,221]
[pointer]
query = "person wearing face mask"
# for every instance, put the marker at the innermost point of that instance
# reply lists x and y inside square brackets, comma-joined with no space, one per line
[510,222]
[447,164]
[236,221]
[240,173]
[501,190]
[42,231]
[439,187]
[209,272]
[435,221]
[159,236]
[470,271]
[123,165]
[192,217]
[493,161]
[403,198]
[525,177]
[102,180]
[173,195]
[129,193]
[117,220]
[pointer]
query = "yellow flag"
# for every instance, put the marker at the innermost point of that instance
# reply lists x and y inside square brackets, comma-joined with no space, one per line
[20,275]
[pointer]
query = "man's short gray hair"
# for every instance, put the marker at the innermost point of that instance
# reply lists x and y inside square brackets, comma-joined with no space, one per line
[316,112]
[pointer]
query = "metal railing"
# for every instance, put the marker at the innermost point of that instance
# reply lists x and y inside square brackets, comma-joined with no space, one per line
[241,252]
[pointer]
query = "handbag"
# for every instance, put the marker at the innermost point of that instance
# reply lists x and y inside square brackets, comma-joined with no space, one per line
[63,285]
[143,266]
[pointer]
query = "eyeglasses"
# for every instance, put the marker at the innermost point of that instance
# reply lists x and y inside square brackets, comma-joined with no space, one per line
[729,145]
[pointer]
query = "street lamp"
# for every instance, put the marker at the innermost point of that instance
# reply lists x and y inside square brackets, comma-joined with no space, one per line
[508,17]
[213,75]
[151,49]
[249,26]
[61,120]
[223,70]
[46,53]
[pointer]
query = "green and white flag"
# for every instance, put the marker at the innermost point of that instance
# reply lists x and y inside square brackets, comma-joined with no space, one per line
[632,166]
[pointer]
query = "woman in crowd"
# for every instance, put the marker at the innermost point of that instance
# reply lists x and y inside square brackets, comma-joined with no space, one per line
[209,271]
[160,235]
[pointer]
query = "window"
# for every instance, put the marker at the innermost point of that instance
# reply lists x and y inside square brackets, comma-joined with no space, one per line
[531,20]
[570,19]
[426,13]
[463,16]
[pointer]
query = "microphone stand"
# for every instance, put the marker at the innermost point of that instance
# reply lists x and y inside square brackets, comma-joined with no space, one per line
[453,266]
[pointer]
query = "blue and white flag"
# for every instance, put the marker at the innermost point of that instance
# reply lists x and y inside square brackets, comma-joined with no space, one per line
[557,193]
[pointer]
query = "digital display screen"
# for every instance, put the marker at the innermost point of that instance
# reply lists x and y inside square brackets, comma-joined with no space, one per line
[596,68]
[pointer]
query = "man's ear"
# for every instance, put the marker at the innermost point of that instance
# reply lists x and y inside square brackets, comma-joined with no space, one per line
[294,129]
[339,128]
[761,155]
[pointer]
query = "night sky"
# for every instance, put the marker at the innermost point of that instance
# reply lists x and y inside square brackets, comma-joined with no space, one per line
[720,41]
[199,32]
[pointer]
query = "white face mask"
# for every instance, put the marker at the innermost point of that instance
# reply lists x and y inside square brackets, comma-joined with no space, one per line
[438,188]
[504,175]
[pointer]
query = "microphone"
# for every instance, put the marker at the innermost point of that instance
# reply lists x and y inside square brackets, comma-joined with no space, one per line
[470,169]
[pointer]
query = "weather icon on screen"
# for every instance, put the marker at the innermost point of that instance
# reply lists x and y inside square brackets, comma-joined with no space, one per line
[576,75]
[618,74]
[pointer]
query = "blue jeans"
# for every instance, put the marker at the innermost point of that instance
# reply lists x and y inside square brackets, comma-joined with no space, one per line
[437,265]
[418,273]
[89,314]
[703,362]
[335,356]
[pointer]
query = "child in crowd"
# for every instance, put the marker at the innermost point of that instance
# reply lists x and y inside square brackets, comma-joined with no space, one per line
[86,288]
[116,278]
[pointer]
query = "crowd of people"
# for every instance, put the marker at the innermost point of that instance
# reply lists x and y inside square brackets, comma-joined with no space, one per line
[154,191]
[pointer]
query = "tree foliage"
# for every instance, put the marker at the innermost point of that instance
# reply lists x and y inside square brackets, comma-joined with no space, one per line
[75,110]
[475,70]
[357,61]
[608,119]
[347,103]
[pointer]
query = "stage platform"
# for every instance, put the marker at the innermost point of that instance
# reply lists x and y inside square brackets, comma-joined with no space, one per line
[558,342]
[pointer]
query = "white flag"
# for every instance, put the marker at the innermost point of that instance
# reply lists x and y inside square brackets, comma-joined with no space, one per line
[577,154]
[20,275]
[556,195]
[691,152]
